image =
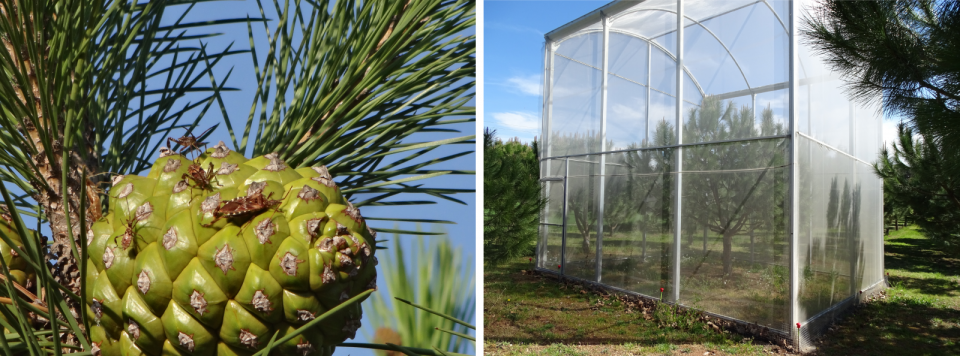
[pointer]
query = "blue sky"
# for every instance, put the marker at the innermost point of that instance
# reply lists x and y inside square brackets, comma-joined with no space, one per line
[462,233]
[513,60]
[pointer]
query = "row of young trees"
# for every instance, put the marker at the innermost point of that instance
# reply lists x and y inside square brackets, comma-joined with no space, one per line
[903,51]
[728,188]
[90,90]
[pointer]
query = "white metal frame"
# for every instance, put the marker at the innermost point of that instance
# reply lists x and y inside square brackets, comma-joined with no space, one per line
[678,158]
[605,16]
[793,193]
[603,143]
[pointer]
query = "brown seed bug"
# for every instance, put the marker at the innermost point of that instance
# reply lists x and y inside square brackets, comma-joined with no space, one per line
[143,212]
[188,142]
[202,179]
[242,207]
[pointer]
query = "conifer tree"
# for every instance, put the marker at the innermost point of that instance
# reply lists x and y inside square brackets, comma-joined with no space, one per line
[512,199]
[908,54]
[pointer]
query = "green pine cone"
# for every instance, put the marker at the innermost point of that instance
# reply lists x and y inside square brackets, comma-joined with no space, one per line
[218,254]
[19,267]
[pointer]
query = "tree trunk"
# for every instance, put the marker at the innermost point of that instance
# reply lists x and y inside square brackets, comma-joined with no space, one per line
[48,192]
[49,197]
[727,253]
[705,231]
[585,245]
[65,268]
[643,248]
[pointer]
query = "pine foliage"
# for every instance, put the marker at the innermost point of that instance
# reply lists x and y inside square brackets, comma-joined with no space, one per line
[91,89]
[434,280]
[905,52]
[911,171]
[908,54]
[512,199]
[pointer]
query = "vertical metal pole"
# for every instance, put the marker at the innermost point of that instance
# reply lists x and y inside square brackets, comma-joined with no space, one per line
[646,132]
[548,103]
[855,256]
[547,97]
[678,215]
[603,146]
[643,250]
[794,316]
[853,239]
[882,247]
[753,109]
[541,228]
[544,134]
[810,180]
[879,236]
[563,239]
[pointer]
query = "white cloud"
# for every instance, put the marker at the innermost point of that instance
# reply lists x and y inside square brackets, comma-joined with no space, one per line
[518,121]
[529,85]
[513,28]
[624,112]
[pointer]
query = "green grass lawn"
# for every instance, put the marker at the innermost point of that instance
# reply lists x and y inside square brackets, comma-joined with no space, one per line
[529,314]
[921,312]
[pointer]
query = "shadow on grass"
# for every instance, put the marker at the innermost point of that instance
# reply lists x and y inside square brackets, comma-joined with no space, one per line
[939,287]
[895,328]
[919,315]
[914,253]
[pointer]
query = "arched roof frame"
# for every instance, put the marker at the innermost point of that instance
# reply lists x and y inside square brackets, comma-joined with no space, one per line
[705,28]
[648,40]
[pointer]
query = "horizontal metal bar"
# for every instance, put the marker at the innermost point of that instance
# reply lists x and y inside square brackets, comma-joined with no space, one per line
[549,224]
[551,179]
[746,139]
[824,144]
[756,169]
[773,87]
[749,91]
